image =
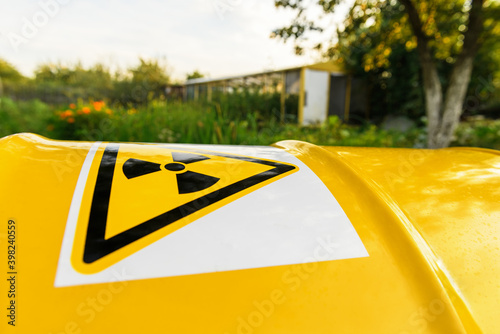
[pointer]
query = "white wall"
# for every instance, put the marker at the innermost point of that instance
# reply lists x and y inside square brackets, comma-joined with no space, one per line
[316,96]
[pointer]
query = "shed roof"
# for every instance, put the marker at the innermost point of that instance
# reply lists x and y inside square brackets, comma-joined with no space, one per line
[325,66]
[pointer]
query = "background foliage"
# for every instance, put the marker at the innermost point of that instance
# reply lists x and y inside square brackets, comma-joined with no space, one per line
[210,123]
[76,103]
[58,84]
[375,42]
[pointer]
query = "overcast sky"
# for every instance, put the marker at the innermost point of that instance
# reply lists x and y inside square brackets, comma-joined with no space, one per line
[216,37]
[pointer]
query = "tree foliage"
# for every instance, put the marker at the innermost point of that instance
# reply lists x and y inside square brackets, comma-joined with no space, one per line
[69,82]
[58,83]
[9,72]
[380,40]
[142,83]
[194,75]
[10,78]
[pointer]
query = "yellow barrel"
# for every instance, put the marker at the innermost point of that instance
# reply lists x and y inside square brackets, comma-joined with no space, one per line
[102,237]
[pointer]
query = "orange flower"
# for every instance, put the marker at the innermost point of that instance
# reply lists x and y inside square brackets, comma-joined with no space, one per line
[86,110]
[66,114]
[109,111]
[98,105]
[72,106]
[71,120]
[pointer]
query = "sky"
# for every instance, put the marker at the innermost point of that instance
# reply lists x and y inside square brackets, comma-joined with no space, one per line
[215,37]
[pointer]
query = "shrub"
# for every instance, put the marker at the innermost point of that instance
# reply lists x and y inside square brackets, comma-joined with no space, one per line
[81,121]
[24,116]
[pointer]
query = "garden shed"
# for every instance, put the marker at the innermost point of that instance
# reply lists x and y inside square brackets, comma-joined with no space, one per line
[308,94]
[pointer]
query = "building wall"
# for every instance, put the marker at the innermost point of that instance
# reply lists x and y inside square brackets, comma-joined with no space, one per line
[315,96]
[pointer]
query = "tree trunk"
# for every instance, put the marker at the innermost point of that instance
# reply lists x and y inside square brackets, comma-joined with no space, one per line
[444,118]
[460,78]
[433,98]
[453,104]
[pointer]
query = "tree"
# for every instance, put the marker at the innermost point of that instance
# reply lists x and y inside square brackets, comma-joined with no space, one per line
[388,64]
[9,72]
[437,29]
[58,83]
[10,78]
[142,83]
[149,80]
[195,75]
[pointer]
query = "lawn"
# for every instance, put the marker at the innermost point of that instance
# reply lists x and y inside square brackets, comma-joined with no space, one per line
[209,123]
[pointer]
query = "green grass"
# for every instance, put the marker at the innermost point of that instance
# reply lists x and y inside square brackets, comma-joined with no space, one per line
[30,116]
[176,122]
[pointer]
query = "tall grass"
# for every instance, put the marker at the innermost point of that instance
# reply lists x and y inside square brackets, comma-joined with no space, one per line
[176,122]
[23,116]
[163,121]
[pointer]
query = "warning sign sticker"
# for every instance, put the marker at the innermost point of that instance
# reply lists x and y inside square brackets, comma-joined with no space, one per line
[142,206]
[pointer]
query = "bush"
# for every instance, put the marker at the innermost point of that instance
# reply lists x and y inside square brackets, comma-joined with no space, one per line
[478,133]
[29,116]
[176,122]
[81,121]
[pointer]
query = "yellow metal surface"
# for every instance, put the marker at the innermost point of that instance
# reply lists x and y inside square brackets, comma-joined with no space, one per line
[451,199]
[327,66]
[282,97]
[302,96]
[428,219]
[327,107]
[209,92]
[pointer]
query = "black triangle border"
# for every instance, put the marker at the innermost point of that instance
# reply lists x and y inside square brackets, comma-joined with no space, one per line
[97,247]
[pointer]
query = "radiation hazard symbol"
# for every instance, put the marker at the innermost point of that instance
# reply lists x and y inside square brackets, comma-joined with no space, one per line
[138,194]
